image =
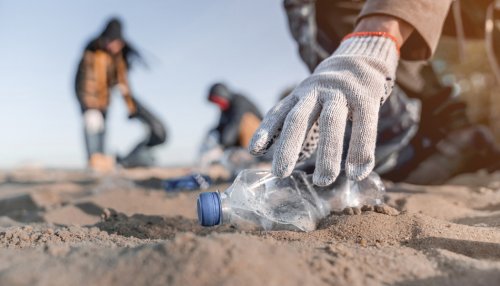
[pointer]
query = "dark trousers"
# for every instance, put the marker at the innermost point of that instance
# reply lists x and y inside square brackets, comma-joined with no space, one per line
[95,140]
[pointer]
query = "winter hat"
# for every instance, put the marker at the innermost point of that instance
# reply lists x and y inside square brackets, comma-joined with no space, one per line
[113,30]
[220,90]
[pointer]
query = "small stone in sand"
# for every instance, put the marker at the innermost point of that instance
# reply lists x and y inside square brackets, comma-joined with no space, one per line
[348,211]
[106,213]
[367,208]
[385,209]
[363,242]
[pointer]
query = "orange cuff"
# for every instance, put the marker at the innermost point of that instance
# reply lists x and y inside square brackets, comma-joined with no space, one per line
[373,34]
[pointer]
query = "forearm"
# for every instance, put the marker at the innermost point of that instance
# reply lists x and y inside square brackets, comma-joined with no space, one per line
[425,16]
[398,28]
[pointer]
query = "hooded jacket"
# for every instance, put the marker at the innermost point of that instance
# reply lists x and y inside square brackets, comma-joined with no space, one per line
[99,71]
[239,121]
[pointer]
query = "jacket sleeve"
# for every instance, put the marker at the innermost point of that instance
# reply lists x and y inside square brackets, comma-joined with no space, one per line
[125,88]
[85,86]
[302,23]
[426,16]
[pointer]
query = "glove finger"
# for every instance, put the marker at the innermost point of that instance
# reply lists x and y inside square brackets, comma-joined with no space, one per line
[310,143]
[270,127]
[361,155]
[332,124]
[294,131]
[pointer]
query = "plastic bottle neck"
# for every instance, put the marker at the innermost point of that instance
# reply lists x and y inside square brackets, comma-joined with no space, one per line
[225,209]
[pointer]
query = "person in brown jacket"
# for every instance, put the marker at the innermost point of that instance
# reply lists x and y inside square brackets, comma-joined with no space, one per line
[104,65]
[371,101]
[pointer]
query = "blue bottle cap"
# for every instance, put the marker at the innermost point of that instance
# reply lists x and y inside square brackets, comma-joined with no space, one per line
[209,209]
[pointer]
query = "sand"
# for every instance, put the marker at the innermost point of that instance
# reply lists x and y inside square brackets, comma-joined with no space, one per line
[70,227]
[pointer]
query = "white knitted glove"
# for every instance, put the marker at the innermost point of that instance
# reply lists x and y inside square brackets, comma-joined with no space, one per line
[352,83]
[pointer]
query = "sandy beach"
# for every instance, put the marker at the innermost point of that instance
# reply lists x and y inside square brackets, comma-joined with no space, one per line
[70,227]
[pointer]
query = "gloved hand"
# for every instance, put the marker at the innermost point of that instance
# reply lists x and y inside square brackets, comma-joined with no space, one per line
[352,83]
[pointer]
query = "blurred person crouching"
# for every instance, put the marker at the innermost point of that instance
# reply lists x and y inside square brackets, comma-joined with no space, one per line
[104,65]
[227,143]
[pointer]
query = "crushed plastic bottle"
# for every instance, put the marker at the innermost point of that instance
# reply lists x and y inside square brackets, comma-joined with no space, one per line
[258,199]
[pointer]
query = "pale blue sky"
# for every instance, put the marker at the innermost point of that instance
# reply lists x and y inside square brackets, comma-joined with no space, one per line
[189,45]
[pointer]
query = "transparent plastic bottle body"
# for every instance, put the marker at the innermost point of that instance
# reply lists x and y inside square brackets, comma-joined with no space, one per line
[261,199]
[258,199]
[346,193]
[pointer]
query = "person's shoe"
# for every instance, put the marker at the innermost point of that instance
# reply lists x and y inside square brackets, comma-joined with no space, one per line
[101,163]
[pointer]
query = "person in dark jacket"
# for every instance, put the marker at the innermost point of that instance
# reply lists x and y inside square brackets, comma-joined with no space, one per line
[104,65]
[239,117]
[371,102]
